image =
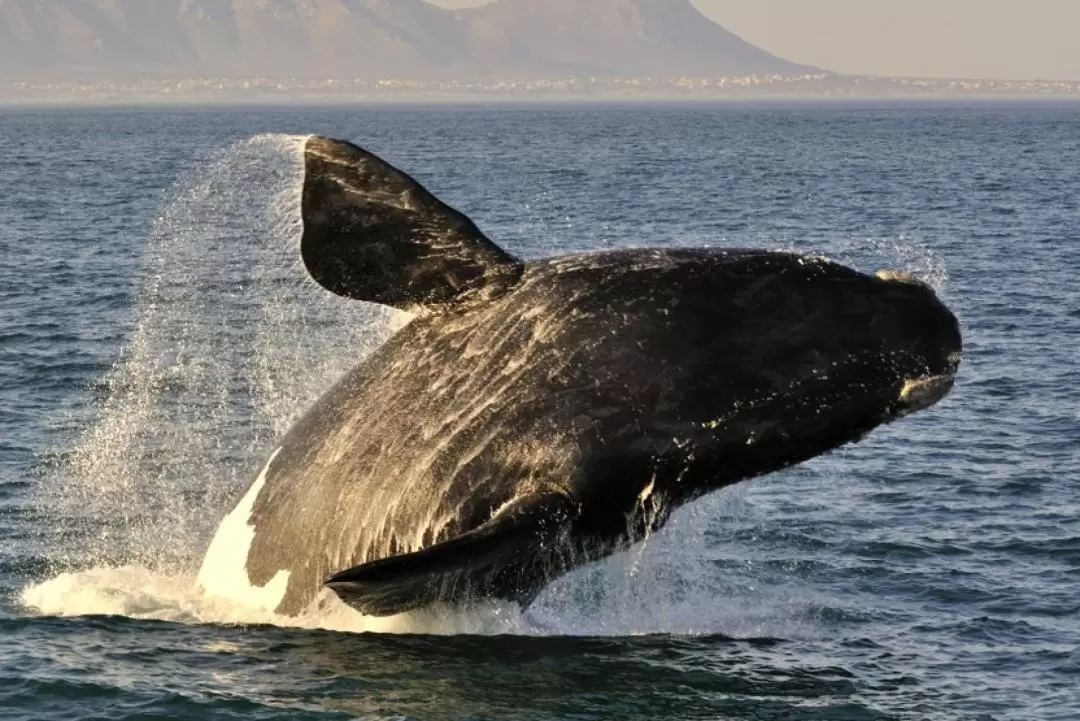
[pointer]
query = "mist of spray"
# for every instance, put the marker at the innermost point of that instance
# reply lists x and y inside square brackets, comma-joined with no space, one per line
[232,342]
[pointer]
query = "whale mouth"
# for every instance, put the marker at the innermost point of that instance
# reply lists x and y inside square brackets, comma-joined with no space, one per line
[920,393]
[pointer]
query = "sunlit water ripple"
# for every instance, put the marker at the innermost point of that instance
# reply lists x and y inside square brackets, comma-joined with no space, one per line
[156,336]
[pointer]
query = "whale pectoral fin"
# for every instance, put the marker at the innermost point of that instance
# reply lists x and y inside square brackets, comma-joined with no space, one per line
[373,233]
[507,557]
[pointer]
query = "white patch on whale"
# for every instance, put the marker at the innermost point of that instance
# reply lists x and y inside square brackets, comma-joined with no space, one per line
[224,569]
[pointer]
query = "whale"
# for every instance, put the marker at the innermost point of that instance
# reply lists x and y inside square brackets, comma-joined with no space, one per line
[534,416]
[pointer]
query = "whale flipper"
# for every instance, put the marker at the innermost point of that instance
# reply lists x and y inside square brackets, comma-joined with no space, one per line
[373,233]
[527,531]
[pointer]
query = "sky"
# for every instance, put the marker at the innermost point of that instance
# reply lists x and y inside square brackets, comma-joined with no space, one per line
[1000,39]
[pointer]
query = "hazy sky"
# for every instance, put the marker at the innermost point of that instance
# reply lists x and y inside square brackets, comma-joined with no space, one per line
[1004,39]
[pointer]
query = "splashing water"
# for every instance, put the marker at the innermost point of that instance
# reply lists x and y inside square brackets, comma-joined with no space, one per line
[232,342]
[660,586]
[903,253]
[869,255]
[137,592]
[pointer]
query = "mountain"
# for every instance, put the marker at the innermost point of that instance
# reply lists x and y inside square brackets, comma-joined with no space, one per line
[615,37]
[122,39]
[368,39]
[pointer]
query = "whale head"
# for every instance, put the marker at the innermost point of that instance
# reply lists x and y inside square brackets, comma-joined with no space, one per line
[748,361]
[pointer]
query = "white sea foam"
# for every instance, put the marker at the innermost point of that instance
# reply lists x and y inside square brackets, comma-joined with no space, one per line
[137,592]
[662,586]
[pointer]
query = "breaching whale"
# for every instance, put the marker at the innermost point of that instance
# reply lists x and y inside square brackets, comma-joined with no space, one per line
[536,416]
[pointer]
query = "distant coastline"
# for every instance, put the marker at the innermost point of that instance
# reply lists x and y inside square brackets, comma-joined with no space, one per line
[823,86]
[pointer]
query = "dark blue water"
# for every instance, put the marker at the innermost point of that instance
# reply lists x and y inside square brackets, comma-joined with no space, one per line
[156,336]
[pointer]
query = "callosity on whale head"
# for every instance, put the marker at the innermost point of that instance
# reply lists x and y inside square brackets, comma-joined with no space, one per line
[536,416]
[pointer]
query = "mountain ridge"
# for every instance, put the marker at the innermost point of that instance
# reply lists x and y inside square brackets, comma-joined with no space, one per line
[369,39]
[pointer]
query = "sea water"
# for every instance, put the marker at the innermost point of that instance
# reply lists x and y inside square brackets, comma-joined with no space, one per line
[158,335]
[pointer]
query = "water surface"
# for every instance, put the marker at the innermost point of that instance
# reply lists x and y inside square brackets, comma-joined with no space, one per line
[157,335]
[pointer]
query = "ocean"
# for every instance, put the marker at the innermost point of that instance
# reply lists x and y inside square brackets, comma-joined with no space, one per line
[157,334]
